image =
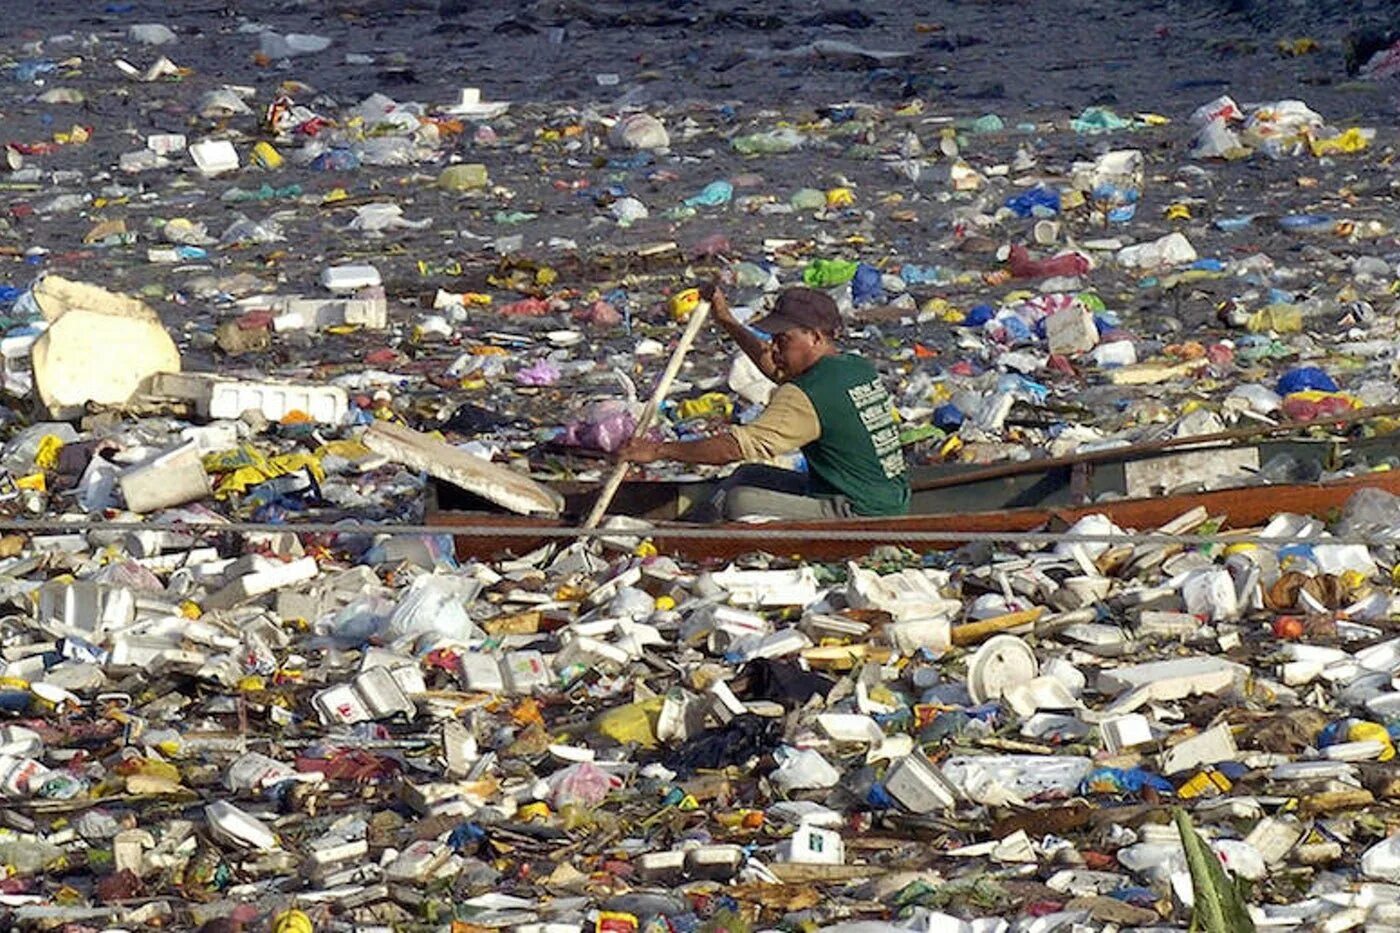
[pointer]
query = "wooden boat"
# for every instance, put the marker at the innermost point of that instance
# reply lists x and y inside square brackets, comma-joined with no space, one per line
[483,534]
[1143,486]
[1124,474]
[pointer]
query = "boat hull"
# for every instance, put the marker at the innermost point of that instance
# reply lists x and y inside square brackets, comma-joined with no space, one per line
[486,535]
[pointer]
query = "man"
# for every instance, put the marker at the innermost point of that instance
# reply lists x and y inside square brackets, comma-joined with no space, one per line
[828,404]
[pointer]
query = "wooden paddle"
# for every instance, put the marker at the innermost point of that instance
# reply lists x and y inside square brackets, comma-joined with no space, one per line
[663,385]
[1020,467]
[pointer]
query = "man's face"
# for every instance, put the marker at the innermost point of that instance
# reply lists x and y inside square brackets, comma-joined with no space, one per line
[794,351]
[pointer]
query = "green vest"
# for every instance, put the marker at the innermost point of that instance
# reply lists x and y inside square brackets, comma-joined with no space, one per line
[858,453]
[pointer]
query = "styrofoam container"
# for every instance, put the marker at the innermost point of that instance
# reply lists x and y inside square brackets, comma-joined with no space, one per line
[18,775]
[525,671]
[17,741]
[350,278]
[724,703]
[911,635]
[269,577]
[769,587]
[808,812]
[1365,750]
[85,607]
[1125,731]
[341,704]
[229,824]
[718,861]
[591,653]
[918,786]
[372,313]
[418,861]
[207,438]
[324,404]
[850,727]
[724,624]
[783,642]
[1214,745]
[214,156]
[171,479]
[1040,693]
[317,313]
[1274,837]
[1312,771]
[1071,330]
[137,651]
[482,672]
[812,845]
[382,694]
[375,656]
[166,143]
[253,771]
[655,866]
[334,853]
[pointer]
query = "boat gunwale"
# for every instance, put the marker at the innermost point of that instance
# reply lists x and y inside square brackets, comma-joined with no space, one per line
[1240,507]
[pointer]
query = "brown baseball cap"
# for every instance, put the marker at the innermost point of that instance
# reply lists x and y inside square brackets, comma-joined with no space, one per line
[801,307]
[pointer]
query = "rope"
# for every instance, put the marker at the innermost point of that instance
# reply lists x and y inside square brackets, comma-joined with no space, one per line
[757,534]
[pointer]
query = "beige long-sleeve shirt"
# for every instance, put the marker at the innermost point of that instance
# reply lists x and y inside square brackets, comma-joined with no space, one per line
[787,423]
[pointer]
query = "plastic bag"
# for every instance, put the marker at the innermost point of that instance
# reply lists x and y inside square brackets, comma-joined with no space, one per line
[437,604]
[866,287]
[583,783]
[604,426]
[824,273]
[1303,378]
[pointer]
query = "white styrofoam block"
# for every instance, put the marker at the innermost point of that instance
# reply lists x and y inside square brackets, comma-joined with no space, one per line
[324,404]
[1071,330]
[214,156]
[350,278]
[1125,731]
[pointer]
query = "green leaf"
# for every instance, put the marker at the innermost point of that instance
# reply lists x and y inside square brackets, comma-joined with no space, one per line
[1219,906]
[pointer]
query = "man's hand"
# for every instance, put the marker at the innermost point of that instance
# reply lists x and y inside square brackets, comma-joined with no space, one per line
[719,306]
[640,450]
[715,450]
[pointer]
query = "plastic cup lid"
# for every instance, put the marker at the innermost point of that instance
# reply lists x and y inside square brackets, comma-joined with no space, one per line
[1002,662]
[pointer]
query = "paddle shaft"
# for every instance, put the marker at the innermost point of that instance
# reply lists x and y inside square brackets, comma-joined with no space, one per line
[1020,467]
[663,385]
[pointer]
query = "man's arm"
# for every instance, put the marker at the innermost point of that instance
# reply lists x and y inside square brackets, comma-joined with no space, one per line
[717,449]
[756,349]
[785,425]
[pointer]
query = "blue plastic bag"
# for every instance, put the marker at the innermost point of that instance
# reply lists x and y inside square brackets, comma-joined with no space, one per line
[1040,201]
[866,287]
[1304,378]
